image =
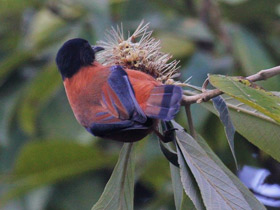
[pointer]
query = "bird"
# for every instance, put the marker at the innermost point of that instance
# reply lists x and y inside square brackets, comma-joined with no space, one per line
[114,102]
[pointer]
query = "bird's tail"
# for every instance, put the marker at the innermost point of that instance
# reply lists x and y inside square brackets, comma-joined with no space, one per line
[164,102]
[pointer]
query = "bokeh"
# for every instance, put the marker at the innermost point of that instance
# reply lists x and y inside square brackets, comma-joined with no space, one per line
[47,160]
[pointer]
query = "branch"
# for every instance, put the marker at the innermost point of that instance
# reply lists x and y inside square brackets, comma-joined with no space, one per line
[264,74]
[208,94]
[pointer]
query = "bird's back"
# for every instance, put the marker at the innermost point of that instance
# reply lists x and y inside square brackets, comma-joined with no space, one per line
[142,85]
[84,92]
[157,100]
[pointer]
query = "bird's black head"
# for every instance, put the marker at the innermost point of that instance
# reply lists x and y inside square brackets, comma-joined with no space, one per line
[74,54]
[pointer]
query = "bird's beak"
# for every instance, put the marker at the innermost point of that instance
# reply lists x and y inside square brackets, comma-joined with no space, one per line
[96,48]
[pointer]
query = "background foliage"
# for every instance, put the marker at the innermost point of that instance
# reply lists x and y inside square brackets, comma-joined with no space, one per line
[48,161]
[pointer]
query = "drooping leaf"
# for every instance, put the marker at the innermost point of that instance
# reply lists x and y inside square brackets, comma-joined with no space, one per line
[217,189]
[119,191]
[188,181]
[168,152]
[181,200]
[222,109]
[170,155]
[250,198]
[176,185]
[250,94]
[46,162]
[256,127]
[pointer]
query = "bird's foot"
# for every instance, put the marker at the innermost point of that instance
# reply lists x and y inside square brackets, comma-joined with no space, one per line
[167,136]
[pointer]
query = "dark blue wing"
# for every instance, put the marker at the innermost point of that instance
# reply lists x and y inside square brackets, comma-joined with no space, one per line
[118,96]
[121,110]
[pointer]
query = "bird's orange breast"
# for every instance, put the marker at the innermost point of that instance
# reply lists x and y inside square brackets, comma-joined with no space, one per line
[84,92]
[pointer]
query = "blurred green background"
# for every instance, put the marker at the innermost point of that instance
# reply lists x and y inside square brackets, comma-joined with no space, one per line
[47,160]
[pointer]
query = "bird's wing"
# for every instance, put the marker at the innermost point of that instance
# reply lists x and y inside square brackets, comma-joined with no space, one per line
[142,84]
[120,110]
[119,99]
[157,100]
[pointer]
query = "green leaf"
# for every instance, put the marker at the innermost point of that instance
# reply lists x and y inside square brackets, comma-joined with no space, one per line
[256,127]
[46,162]
[252,95]
[176,185]
[250,198]
[170,155]
[224,116]
[259,129]
[217,189]
[182,201]
[188,181]
[37,94]
[119,191]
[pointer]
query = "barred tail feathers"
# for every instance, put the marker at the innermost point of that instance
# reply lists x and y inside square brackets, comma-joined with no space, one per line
[164,102]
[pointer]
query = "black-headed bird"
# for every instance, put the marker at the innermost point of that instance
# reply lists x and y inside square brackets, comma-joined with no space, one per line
[110,101]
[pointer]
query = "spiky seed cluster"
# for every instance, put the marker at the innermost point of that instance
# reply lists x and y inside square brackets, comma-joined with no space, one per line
[143,55]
